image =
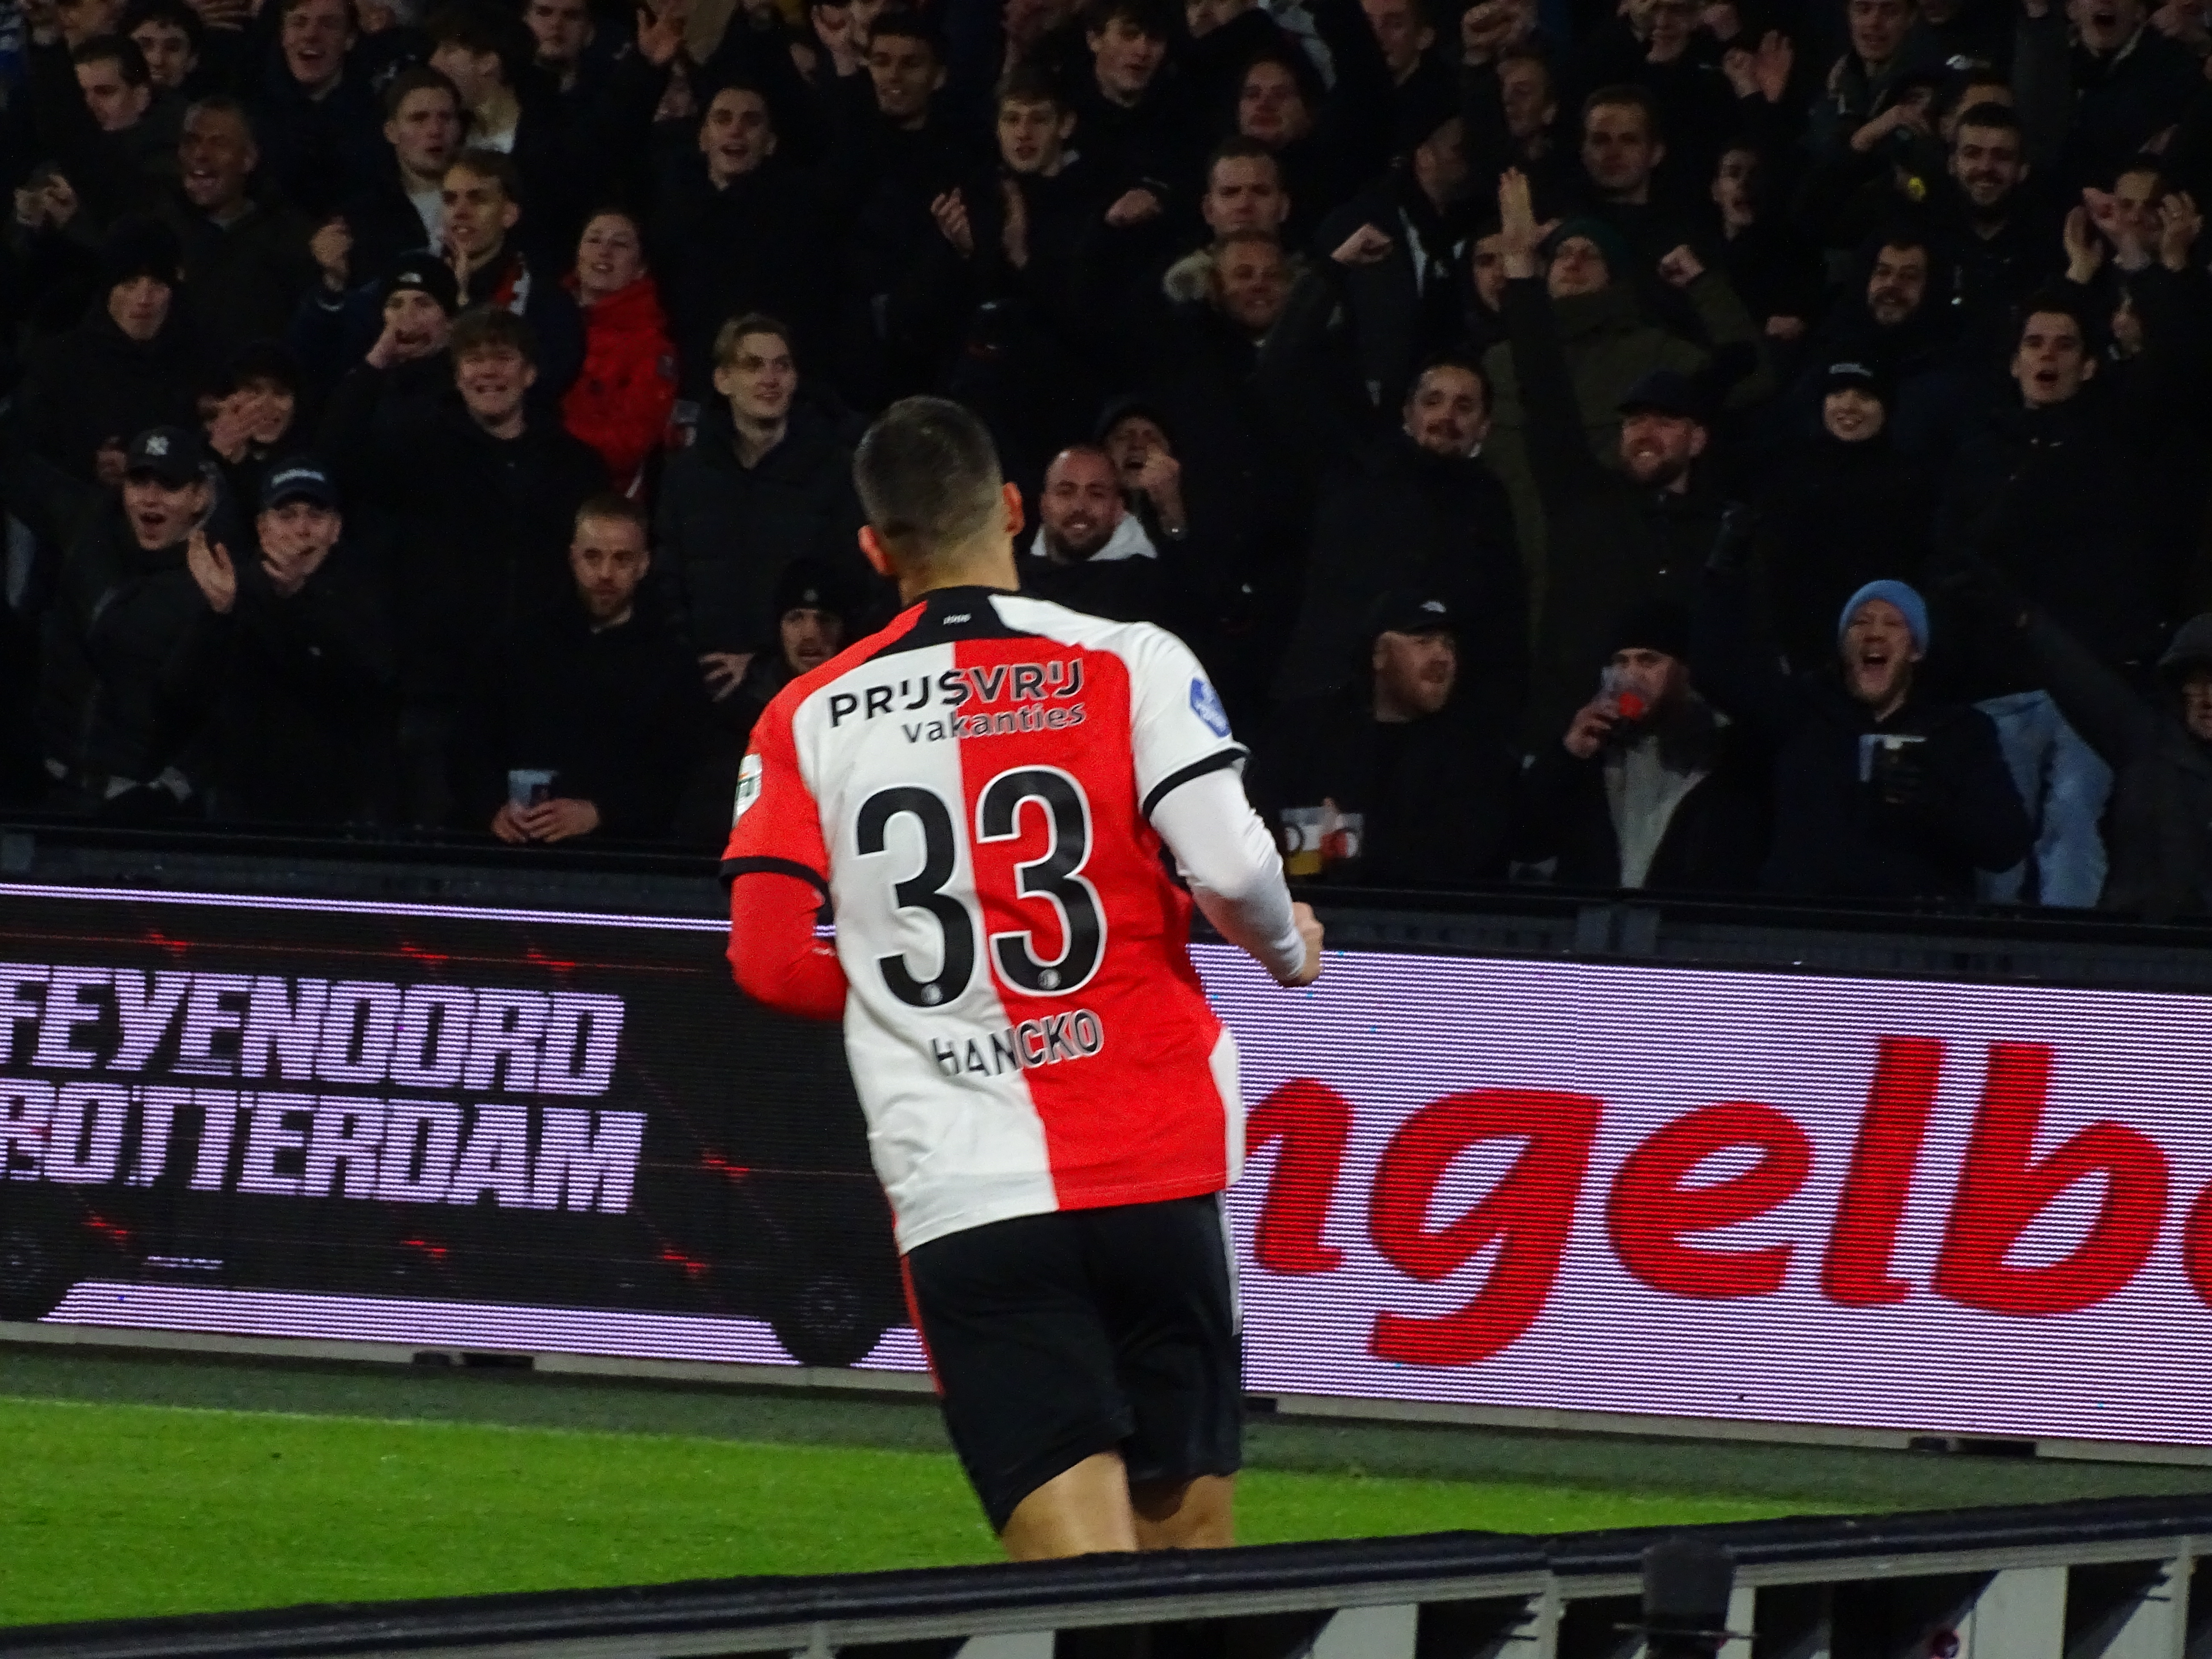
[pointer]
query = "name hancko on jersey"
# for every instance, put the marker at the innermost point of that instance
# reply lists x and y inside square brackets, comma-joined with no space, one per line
[1077,1035]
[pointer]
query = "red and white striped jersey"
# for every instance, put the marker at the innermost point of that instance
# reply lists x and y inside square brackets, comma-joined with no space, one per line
[972,787]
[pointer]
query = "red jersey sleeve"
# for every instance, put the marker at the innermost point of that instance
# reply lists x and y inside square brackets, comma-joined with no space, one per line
[773,955]
[775,833]
[775,823]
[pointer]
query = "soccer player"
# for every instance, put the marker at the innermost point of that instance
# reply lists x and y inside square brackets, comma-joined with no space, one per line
[981,793]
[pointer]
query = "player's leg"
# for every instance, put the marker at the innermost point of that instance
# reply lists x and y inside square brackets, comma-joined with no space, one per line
[1167,1288]
[1197,1514]
[1083,1510]
[1025,1373]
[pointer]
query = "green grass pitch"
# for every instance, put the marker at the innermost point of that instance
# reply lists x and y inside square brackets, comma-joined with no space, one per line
[127,1510]
[131,1487]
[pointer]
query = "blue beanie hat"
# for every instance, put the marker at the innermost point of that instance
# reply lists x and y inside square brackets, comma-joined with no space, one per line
[1904,597]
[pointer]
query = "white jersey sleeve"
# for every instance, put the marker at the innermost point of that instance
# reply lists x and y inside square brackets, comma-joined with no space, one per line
[1178,729]
[1225,854]
[1188,767]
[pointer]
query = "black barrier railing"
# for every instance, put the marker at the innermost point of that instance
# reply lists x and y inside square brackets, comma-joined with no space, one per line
[425,868]
[1978,944]
[2108,1579]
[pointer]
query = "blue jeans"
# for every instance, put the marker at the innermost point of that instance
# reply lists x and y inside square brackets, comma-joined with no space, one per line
[2064,784]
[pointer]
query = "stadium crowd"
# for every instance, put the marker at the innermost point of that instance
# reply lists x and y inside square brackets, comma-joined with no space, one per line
[1746,445]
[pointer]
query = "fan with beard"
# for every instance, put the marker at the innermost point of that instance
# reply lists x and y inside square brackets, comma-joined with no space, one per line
[1089,552]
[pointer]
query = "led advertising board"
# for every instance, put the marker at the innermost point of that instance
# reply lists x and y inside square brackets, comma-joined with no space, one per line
[1770,1198]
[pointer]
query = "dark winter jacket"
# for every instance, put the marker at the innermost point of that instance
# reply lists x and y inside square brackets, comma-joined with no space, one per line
[133,659]
[1610,544]
[1992,274]
[1715,841]
[616,713]
[1119,590]
[1836,835]
[760,244]
[1249,501]
[243,280]
[384,223]
[1128,147]
[1604,344]
[1397,516]
[320,152]
[735,715]
[1026,358]
[890,344]
[1399,314]
[1700,113]
[1774,269]
[475,529]
[727,531]
[2092,113]
[302,730]
[96,385]
[1436,794]
[2067,509]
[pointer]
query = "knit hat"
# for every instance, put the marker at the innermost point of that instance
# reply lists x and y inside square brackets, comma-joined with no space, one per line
[1906,598]
[140,247]
[810,584]
[1608,242]
[1661,625]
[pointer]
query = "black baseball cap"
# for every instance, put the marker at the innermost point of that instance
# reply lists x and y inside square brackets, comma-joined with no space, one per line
[299,480]
[426,274]
[1128,407]
[1856,376]
[1667,391]
[167,453]
[1411,611]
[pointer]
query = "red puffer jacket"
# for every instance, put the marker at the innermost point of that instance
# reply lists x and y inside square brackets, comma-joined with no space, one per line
[619,404]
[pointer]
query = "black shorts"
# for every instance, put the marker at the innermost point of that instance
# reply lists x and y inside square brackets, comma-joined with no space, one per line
[1054,1337]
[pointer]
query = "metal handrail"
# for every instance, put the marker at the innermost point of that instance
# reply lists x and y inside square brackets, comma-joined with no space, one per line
[1104,1591]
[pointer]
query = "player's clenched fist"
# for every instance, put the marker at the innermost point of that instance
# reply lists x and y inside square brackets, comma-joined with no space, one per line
[1309,930]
